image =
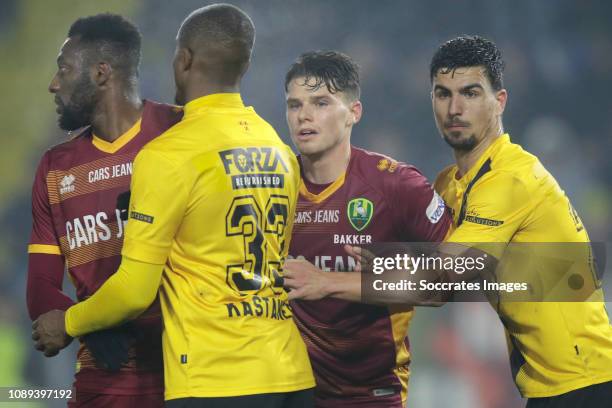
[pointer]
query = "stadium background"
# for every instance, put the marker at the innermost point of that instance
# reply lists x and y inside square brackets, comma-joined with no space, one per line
[559,65]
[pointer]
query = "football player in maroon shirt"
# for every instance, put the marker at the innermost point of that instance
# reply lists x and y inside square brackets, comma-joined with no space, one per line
[350,196]
[80,201]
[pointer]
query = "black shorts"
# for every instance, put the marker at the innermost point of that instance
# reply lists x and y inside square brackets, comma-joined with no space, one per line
[296,399]
[593,396]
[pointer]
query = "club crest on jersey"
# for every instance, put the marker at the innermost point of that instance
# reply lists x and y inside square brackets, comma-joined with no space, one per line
[359,212]
[66,185]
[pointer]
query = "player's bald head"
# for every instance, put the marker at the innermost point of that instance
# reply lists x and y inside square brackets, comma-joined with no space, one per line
[222,36]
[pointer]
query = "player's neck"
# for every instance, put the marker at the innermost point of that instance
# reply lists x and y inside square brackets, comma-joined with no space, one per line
[116,115]
[202,87]
[467,160]
[327,167]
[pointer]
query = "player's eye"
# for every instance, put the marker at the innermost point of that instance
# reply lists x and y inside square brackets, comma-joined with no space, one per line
[442,94]
[470,93]
[322,103]
[293,105]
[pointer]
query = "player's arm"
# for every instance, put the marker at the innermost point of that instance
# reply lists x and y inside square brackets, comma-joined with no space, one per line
[45,275]
[124,296]
[158,203]
[498,207]
[44,289]
[506,200]
[418,211]
[419,214]
[308,282]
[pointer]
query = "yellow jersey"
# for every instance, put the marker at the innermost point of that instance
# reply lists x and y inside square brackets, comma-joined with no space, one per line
[509,197]
[213,198]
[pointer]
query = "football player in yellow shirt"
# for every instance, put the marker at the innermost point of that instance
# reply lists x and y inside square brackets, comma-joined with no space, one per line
[211,212]
[560,352]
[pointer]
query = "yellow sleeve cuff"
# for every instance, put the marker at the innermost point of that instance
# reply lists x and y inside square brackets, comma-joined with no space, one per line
[44,249]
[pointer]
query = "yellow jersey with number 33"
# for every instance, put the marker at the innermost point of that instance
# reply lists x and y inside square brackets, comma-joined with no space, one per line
[213,199]
[509,197]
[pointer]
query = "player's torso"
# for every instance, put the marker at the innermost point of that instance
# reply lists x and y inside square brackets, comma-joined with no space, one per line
[243,187]
[88,186]
[356,349]
[224,306]
[348,212]
[89,193]
[554,346]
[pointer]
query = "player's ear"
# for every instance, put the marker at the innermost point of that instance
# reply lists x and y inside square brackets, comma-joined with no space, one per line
[502,97]
[356,109]
[183,59]
[102,73]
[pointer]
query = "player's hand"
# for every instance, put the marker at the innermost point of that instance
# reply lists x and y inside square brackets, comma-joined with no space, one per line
[49,333]
[363,257]
[305,280]
[109,347]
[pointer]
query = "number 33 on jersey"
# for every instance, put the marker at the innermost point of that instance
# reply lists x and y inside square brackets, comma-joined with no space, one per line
[213,199]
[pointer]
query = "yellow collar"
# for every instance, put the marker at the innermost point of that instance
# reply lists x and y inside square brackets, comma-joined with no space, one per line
[118,143]
[488,153]
[323,195]
[222,100]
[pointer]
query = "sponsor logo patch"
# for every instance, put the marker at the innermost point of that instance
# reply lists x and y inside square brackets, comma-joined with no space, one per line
[483,221]
[359,212]
[254,167]
[386,164]
[383,164]
[67,184]
[383,392]
[435,209]
[141,217]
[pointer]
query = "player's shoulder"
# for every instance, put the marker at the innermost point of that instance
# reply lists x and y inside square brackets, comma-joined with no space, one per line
[160,116]
[381,169]
[444,177]
[75,143]
[169,121]
[513,163]
[512,157]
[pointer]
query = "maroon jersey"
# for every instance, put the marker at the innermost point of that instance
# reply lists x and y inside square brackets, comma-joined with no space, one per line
[359,352]
[79,203]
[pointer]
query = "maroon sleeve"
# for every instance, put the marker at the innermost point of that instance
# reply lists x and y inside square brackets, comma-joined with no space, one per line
[45,271]
[44,288]
[43,231]
[422,212]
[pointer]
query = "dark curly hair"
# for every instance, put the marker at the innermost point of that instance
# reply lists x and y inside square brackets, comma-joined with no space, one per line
[337,71]
[469,51]
[112,38]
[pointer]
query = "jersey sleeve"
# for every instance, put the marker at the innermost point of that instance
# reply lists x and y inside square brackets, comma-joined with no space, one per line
[494,210]
[43,238]
[44,284]
[421,211]
[157,206]
[45,260]
[293,199]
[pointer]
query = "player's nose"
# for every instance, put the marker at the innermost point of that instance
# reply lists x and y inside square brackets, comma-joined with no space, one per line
[305,114]
[455,107]
[54,85]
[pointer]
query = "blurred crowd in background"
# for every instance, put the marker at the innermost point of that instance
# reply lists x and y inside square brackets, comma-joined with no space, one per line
[558,73]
